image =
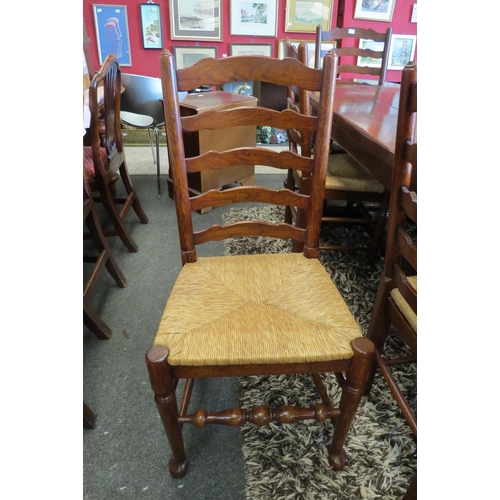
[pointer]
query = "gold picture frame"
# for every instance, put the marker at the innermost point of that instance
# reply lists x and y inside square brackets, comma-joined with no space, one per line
[302,16]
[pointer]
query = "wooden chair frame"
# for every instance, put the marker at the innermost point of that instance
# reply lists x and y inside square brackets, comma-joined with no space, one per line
[399,277]
[297,100]
[163,374]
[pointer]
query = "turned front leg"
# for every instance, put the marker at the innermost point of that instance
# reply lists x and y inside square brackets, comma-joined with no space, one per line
[163,386]
[352,391]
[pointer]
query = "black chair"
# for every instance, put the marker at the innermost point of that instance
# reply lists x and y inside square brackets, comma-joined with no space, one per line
[141,108]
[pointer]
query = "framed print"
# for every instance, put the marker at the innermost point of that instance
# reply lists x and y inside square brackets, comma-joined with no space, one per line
[187,56]
[256,49]
[402,51]
[374,10]
[311,50]
[196,20]
[151,26]
[254,19]
[304,15]
[111,26]
[370,62]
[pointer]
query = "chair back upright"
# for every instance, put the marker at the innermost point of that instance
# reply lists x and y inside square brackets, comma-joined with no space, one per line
[348,54]
[213,72]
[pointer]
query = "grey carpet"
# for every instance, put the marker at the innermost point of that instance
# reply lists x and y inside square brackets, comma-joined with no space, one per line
[290,461]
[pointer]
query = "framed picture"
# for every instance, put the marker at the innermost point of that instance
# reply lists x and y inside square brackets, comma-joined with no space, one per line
[111,26]
[196,20]
[254,19]
[402,51]
[151,26]
[304,15]
[374,10]
[370,62]
[187,56]
[257,49]
[311,50]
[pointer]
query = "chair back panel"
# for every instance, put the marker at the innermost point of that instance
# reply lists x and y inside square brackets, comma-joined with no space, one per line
[105,128]
[339,34]
[213,72]
[401,252]
[142,95]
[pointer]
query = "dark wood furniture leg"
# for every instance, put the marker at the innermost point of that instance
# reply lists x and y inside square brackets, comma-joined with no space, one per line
[352,391]
[89,420]
[163,386]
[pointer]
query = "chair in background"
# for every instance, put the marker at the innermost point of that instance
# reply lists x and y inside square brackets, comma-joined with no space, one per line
[346,181]
[351,59]
[396,301]
[253,314]
[104,160]
[141,108]
[104,258]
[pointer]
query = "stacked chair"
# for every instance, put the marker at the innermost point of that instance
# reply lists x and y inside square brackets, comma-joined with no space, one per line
[104,159]
[396,302]
[253,314]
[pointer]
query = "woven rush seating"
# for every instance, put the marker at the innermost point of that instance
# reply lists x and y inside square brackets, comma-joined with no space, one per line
[230,309]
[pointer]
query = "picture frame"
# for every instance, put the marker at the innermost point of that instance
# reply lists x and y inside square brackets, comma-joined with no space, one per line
[311,50]
[152,37]
[191,20]
[187,56]
[302,16]
[370,62]
[254,19]
[402,51]
[111,26]
[375,10]
[258,49]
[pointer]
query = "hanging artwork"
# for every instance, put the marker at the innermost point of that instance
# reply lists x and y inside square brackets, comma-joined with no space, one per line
[302,16]
[254,19]
[111,25]
[151,26]
[195,20]
[374,10]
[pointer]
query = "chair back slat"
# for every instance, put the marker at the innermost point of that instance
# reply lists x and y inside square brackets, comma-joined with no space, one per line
[244,68]
[215,198]
[214,160]
[405,288]
[249,228]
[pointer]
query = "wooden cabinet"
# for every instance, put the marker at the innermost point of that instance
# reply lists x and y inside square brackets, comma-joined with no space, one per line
[197,143]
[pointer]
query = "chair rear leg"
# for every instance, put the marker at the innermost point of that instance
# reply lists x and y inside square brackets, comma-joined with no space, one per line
[163,386]
[151,144]
[117,221]
[352,391]
[95,324]
[129,188]
[379,231]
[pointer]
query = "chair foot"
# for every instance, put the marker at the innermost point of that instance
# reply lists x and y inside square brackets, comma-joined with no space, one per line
[177,469]
[338,460]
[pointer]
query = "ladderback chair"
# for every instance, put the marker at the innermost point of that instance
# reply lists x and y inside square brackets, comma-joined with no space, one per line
[351,58]
[102,257]
[252,314]
[396,302]
[104,160]
[141,108]
[348,184]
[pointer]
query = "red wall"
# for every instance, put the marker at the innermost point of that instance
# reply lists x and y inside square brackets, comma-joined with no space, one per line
[145,61]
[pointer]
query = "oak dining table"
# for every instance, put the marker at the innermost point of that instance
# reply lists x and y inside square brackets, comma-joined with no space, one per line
[364,124]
